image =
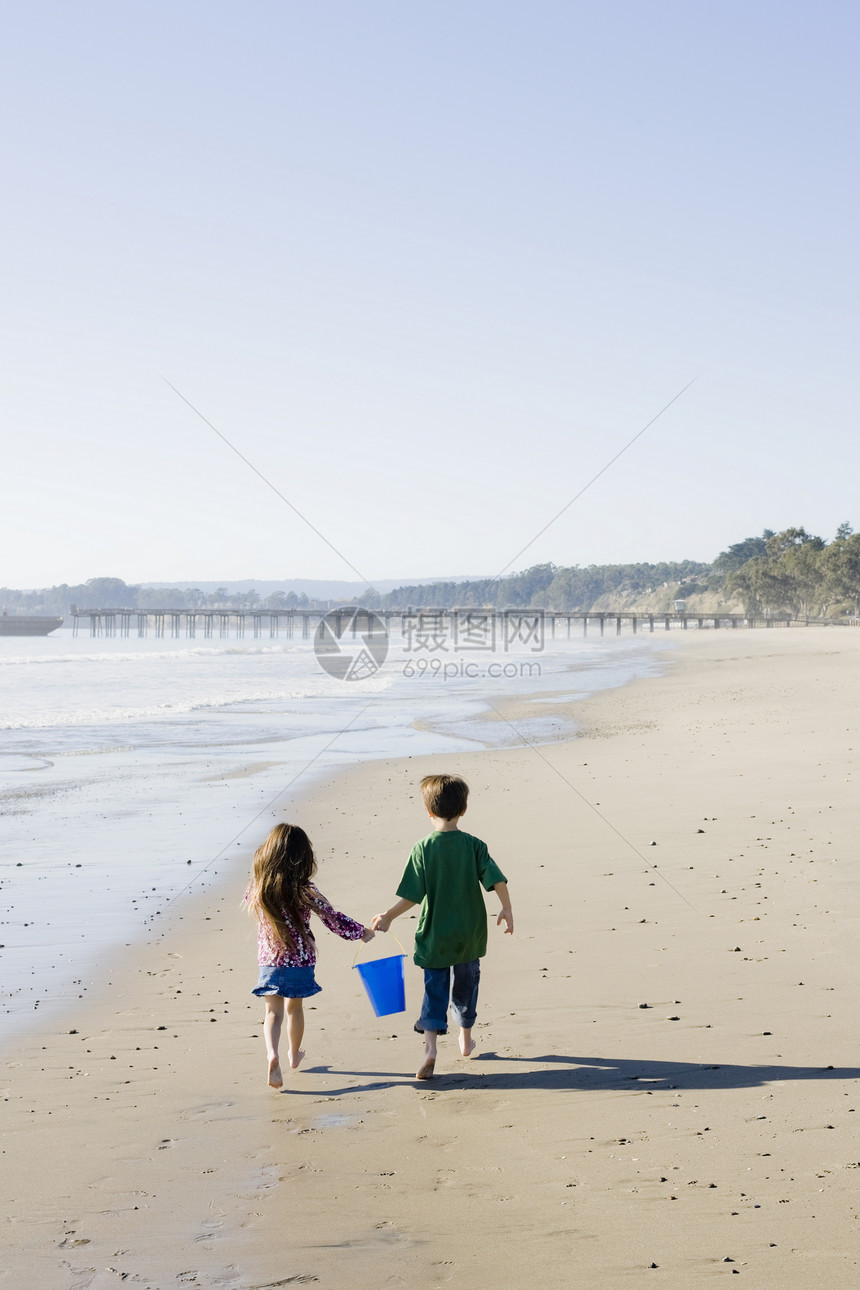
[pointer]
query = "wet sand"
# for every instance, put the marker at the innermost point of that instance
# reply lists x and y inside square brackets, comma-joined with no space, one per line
[667,1066]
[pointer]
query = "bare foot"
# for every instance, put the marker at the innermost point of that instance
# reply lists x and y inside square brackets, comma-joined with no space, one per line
[467,1047]
[276,1079]
[427,1070]
[296,1060]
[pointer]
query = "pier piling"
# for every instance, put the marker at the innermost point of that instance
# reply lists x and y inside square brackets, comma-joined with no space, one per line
[179,622]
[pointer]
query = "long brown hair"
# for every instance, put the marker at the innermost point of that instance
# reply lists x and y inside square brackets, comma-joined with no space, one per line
[280,880]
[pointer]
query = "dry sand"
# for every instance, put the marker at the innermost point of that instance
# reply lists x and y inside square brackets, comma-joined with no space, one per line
[713,1133]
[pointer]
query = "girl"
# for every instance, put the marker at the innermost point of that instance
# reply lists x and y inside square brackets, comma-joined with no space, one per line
[283,897]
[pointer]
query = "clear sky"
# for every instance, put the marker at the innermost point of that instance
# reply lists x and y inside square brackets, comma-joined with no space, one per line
[428,267]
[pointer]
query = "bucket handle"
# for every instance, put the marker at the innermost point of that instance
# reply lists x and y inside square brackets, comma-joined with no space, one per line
[360,943]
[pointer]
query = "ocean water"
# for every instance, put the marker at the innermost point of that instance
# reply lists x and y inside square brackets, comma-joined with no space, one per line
[134,769]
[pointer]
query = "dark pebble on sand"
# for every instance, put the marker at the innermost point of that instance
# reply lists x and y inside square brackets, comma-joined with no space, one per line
[644,1005]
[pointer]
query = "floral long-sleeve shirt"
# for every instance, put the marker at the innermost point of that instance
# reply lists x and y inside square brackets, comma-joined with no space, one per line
[271,953]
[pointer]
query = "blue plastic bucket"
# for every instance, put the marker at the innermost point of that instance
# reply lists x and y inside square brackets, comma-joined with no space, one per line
[383,979]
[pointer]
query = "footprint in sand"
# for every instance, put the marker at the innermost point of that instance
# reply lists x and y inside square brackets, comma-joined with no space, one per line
[211,1230]
[300,1279]
[207,1111]
[267,1178]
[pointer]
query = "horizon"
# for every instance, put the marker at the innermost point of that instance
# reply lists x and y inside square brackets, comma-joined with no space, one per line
[239,584]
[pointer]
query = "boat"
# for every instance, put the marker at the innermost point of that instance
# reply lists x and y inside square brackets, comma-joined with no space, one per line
[28,624]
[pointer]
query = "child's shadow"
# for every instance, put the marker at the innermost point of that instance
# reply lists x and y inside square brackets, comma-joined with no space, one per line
[388,1079]
[584,1073]
[554,1073]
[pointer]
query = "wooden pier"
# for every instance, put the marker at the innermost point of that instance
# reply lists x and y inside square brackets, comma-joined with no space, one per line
[508,623]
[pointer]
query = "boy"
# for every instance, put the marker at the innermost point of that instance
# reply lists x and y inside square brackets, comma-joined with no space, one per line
[444,874]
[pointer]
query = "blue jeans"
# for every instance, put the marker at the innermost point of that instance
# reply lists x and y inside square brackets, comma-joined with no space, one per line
[438,990]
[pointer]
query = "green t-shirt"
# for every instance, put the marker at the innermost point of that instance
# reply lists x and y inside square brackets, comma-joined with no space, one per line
[444,875]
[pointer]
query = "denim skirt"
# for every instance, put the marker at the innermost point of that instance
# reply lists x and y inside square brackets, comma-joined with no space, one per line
[290,982]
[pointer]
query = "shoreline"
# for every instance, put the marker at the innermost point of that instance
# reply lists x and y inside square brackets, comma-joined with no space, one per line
[101,836]
[588,1129]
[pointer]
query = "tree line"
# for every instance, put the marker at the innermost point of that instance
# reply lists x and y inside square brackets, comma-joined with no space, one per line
[113,593]
[791,572]
[544,586]
[795,572]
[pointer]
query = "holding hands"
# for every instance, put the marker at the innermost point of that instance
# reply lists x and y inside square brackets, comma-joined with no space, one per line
[382,922]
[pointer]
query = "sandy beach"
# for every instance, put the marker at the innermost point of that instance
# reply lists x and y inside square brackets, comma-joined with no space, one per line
[665,1090]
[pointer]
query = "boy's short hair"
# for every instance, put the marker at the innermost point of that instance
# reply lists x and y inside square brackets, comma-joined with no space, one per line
[445,796]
